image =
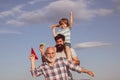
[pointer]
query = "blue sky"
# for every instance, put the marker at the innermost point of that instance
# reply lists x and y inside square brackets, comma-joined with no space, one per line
[95,35]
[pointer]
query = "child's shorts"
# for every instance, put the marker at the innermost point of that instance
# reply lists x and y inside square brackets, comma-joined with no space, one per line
[68,44]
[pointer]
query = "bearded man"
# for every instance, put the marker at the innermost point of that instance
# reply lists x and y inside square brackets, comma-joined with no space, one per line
[60,50]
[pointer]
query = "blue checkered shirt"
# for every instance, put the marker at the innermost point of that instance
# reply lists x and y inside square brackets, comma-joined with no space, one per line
[56,72]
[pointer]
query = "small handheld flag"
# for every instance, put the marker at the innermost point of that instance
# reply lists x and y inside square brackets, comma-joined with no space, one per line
[33,52]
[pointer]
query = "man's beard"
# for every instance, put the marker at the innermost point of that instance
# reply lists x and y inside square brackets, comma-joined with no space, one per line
[50,59]
[60,47]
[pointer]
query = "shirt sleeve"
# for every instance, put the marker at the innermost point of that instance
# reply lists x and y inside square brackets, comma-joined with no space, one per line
[73,53]
[36,72]
[72,66]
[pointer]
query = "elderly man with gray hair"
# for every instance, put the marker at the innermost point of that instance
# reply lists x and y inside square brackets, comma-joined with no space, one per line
[55,68]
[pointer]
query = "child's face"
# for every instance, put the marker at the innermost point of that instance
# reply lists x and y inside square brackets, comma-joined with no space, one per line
[63,25]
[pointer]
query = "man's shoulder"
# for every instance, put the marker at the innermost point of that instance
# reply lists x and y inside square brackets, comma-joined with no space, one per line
[73,53]
[61,54]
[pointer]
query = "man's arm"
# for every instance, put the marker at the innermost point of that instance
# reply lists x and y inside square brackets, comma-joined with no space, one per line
[76,61]
[34,72]
[32,61]
[77,68]
[88,72]
[42,51]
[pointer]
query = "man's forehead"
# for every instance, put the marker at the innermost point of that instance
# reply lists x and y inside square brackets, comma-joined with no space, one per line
[50,49]
[60,39]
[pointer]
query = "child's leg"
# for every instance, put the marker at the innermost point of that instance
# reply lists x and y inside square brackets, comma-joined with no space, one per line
[68,52]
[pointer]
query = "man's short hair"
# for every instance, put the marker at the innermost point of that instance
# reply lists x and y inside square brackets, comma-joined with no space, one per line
[60,36]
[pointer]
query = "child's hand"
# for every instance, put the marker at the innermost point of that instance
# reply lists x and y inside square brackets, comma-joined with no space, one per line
[57,25]
[53,26]
[70,13]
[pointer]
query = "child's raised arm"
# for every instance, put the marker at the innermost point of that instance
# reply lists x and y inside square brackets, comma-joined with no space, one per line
[71,20]
[53,29]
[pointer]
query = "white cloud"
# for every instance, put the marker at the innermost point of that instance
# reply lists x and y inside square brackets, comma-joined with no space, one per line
[54,11]
[117,2]
[35,16]
[90,45]
[104,12]
[6,31]
[14,11]
[118,8]
[14,22]
[33,2]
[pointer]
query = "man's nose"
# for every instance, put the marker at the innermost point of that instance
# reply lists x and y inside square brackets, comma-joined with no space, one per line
[50,55]
[59,43]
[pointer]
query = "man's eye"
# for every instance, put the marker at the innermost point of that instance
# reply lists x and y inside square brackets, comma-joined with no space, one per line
[53,53]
